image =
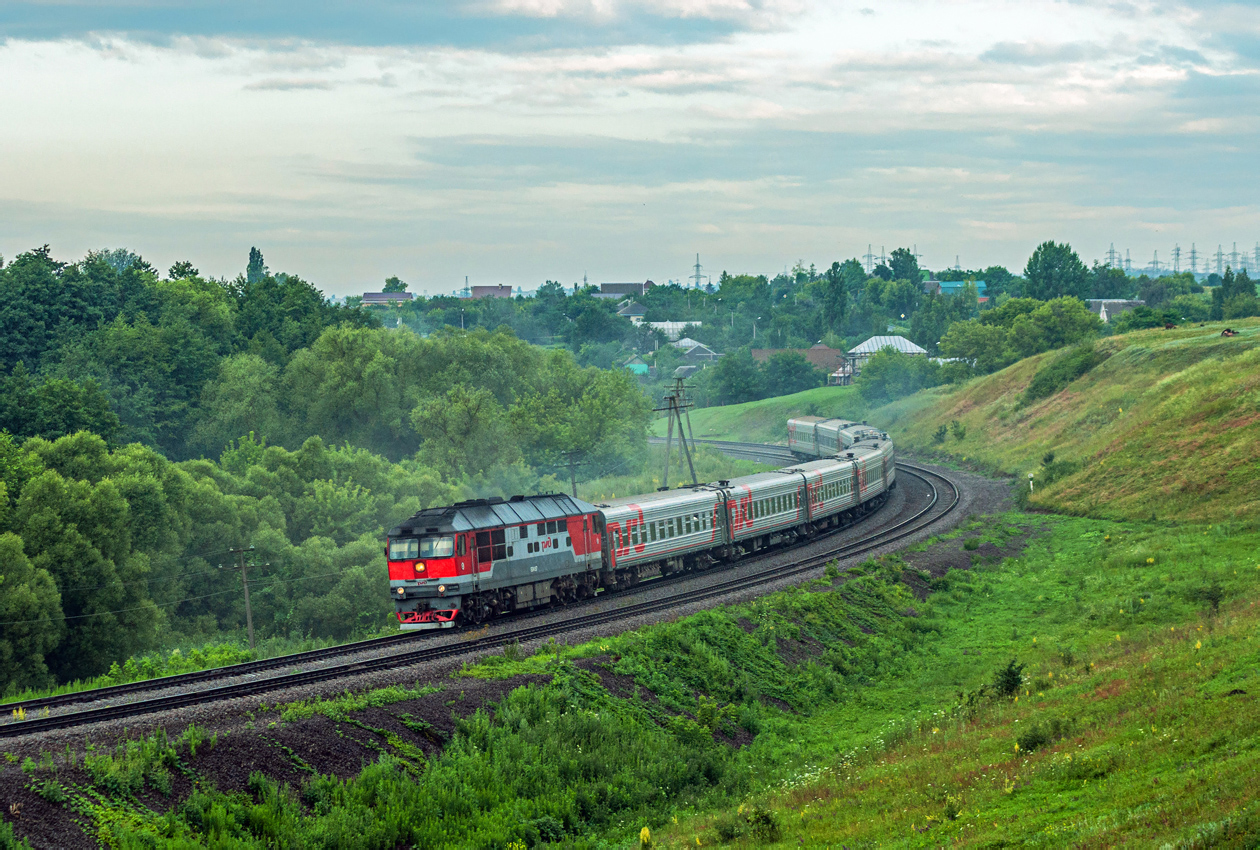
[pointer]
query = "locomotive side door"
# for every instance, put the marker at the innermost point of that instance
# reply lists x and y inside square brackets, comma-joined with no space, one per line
[482,552]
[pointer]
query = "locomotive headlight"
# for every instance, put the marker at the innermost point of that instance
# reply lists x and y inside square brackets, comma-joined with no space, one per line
[419,566]
[441,588]
[401,591]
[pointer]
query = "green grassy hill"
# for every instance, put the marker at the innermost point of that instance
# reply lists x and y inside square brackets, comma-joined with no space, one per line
[1166,426]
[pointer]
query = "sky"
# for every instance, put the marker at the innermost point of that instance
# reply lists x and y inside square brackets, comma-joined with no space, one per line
[519,141]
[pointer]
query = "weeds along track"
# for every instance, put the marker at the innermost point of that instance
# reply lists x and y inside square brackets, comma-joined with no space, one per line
[944,496]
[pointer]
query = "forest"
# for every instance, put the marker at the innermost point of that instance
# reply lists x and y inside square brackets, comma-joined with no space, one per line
[151,424]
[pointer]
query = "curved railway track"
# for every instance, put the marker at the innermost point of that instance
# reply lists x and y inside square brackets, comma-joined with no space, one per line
[944,498]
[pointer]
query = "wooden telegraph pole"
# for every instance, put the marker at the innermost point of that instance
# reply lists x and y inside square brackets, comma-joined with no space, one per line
[675,403]
[249,614]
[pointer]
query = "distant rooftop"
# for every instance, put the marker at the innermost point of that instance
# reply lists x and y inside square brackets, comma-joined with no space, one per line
[879,343]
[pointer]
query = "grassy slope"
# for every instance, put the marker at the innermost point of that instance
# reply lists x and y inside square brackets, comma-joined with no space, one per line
[765,421]
[1168,426]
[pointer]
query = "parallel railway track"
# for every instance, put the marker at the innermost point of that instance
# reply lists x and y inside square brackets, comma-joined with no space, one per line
[940,504]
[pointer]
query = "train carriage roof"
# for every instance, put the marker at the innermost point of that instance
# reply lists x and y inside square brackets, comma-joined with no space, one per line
[693,494]
[492,513]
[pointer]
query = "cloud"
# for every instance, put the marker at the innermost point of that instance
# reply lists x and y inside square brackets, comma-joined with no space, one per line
[289,85]
[521,140]
[1033,54]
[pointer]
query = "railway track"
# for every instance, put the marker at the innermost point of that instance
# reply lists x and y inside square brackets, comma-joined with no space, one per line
[944,498]
[760,452]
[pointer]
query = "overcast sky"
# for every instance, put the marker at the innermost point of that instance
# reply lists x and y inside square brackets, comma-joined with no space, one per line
[516,141]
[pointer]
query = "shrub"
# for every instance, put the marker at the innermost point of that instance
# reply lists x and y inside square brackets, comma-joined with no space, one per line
[972,544]
[1042,734]
[1060,371]
[1007,681]
[958,429]
[52,791]
[1212,594]
[940,435]
[757,823]
[9,841]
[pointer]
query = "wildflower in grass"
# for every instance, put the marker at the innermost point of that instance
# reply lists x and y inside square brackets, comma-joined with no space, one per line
[1150,560]
[1198,644]
[645,837]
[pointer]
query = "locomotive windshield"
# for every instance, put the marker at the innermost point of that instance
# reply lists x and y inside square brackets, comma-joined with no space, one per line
[406,548]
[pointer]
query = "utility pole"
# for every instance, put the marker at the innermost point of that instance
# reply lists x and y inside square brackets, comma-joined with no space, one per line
[249,614]
[675,403]
[571,458]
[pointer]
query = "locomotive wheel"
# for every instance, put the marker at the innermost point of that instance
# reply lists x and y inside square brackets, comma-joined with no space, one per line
[474,610]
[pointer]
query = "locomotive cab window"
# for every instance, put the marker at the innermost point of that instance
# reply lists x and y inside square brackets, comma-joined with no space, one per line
[498,543]
[402,548]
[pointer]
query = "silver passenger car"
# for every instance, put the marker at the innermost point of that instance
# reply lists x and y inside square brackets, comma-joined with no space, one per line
[764,503]
[660,527]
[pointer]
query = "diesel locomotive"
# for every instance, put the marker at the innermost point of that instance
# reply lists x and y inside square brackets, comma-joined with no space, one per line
[474,560]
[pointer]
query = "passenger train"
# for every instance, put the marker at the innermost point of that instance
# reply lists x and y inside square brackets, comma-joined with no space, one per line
[474,560]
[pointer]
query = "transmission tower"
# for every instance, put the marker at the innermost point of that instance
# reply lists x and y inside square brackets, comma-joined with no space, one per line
[1111,256]
[698,277]
[1220,260]
[1233,257]
[883,258]
[1257,255]
[915,251]
[957,267]
[869,259]
[1194,259]
[1155,265]
[1176,259]
[1128,264]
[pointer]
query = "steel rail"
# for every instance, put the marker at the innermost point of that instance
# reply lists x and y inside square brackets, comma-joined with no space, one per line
[242,689]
